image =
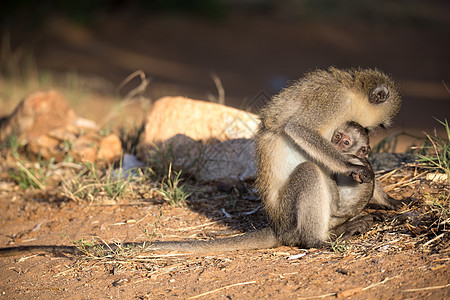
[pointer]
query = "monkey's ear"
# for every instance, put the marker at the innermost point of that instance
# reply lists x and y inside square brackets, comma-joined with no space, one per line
[379,94]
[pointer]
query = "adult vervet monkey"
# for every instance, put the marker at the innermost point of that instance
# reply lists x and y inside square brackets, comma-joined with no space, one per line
[296,157]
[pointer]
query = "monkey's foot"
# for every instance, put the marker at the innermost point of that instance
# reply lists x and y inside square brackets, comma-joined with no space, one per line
[357,225]
[391,203]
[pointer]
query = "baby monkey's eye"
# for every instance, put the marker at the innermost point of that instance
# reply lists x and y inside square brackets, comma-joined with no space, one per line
[346,143]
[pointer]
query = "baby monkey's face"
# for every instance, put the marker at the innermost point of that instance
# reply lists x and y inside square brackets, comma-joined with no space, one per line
[351,141]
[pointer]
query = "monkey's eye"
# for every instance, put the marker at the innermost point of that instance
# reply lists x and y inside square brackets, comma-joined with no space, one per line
[346,143]
[379,94]
[337,136]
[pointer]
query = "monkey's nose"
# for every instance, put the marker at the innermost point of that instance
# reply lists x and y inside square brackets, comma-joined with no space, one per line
[379,94]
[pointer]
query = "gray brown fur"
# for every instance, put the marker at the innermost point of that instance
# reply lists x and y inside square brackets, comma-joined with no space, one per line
[296,157]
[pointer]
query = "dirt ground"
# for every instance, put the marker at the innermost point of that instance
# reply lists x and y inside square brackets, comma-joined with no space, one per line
[404,257]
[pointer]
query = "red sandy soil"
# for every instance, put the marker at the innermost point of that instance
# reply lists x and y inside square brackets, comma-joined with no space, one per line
[401,258]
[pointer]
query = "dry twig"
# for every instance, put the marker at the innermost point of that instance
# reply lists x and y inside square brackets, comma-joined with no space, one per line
[222,288]
[32,177]
[427,288]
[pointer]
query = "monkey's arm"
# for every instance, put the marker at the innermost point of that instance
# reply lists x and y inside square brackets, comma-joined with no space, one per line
[323,152]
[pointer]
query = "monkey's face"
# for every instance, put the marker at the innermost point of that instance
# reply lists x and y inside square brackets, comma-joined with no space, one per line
[351,143]
[342,141]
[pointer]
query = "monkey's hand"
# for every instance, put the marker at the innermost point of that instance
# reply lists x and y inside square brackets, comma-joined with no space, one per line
[362,174]
[360,169]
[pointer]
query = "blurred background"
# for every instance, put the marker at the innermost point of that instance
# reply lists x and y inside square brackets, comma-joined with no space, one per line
[239,52]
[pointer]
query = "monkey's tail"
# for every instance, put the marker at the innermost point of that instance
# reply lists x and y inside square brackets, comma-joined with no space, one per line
[260,239]
[20,250]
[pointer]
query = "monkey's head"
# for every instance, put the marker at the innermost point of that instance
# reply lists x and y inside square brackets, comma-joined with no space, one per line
[352,138]
[381,93]
[323,99]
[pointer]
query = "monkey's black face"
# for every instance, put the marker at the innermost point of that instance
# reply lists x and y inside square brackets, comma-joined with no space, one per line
[379,94]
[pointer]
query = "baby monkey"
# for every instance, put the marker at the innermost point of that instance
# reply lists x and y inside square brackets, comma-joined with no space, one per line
[352,140]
